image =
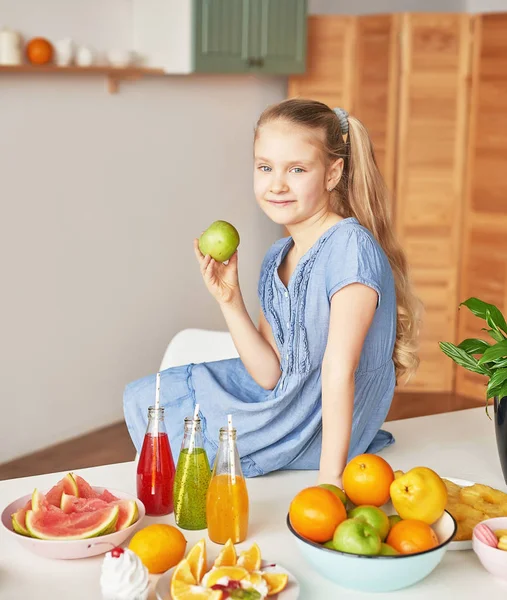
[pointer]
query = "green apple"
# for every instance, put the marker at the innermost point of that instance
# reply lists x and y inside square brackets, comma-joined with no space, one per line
[374,516]
[357,537]
[220,241]
[386,550]
[329,545]
[336,491]
[393,519]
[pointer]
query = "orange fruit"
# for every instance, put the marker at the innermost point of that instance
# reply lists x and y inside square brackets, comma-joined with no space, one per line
[185,591]
[315,513]
[410,536]
[39,51]
[250,559]
[227,556]
[234,573]
[183,572]
[276,582]
[366,480]
[197,560]
[159,547]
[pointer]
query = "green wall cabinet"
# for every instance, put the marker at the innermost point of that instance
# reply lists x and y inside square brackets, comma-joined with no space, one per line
[243,36]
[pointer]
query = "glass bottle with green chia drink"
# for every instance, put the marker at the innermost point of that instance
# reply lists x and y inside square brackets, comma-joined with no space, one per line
[192,478]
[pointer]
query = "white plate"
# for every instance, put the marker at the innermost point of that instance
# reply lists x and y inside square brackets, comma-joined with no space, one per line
[291,592]
[466,544]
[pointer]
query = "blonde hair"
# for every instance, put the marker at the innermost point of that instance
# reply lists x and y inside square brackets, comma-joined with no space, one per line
[361,193]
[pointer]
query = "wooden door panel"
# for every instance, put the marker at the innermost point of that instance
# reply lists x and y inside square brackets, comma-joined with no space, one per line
[484,267]
[430,169]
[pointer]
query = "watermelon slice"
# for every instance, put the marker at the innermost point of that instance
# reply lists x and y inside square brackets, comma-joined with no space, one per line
[18,520]
[70,504]
[56,525]
[128,508]
[67,485]
[108,497]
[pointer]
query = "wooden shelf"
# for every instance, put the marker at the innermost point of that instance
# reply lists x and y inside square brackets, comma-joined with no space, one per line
[114,75]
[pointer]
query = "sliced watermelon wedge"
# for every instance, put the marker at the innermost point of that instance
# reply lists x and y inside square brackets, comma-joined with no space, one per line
[67,485]
[56,525]
[129,514]
[70,504]
[108,497]
[18,520]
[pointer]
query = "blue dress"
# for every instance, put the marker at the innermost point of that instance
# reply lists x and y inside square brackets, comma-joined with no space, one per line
[282,428]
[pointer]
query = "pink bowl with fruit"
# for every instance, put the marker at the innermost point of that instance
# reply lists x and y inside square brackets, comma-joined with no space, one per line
[492,559]
[77,521]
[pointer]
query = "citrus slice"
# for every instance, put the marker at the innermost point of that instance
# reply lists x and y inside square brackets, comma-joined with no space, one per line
[250,559]
[197,560]
[183,573]
[217,573]
[276,582]
[185,591]
[227,556]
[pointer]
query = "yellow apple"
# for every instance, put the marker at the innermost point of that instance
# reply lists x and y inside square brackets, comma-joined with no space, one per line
[419,494]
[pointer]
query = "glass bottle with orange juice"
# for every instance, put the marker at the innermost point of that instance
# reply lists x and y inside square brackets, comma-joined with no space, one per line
[227,507]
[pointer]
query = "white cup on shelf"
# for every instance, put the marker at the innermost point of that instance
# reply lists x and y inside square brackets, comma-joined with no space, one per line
[64,52]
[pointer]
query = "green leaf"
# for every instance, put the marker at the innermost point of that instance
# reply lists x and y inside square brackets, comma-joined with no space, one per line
[502,392]
[479,308]
[496,382]
[499,363]
[496,335]
[497,351]
[463,359]
[474,346]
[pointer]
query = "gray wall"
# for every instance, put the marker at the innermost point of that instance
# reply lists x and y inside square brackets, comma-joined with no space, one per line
[101,197]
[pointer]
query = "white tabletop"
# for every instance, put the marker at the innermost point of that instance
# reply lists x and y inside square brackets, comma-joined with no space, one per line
[459,444]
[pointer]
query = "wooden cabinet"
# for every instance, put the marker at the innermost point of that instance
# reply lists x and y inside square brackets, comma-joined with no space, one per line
[222,36]
[484,263]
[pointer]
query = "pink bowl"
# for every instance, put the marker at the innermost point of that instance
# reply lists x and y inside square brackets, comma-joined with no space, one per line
[72,548]
[492,559]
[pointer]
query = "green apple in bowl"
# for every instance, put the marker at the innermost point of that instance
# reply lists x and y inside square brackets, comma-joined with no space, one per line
[393,519]
[220,241]
[374,516]
[336,491]
[357,537]
[386,550]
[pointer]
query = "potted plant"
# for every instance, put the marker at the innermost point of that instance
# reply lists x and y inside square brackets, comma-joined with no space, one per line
[490,360]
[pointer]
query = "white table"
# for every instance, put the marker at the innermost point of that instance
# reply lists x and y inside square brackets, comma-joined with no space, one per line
[460,444]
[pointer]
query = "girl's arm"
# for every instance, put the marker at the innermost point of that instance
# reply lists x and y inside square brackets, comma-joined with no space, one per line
[352,312]
[256,347]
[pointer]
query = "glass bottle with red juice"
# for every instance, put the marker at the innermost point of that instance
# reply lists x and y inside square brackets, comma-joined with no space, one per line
[155,469]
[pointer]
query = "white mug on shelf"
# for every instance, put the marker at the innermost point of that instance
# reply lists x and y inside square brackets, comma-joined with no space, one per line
[10,48]
[64,50]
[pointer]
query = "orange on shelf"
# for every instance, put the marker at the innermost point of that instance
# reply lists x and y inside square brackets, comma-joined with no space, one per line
[367,479]
[39,51]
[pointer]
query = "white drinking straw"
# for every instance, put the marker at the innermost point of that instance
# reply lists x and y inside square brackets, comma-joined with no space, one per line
[231,449]
[194,425]
[157,403]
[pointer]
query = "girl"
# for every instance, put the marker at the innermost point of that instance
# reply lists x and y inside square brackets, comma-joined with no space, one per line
[315,379]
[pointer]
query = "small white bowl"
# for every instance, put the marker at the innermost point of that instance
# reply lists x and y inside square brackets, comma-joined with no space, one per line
[492,559]
[69,549]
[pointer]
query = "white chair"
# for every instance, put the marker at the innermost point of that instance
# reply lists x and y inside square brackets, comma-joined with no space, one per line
[196,346]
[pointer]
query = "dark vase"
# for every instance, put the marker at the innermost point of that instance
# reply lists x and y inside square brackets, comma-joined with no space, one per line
[501,432]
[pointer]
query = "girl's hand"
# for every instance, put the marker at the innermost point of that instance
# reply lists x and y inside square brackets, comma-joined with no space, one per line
[220,279]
